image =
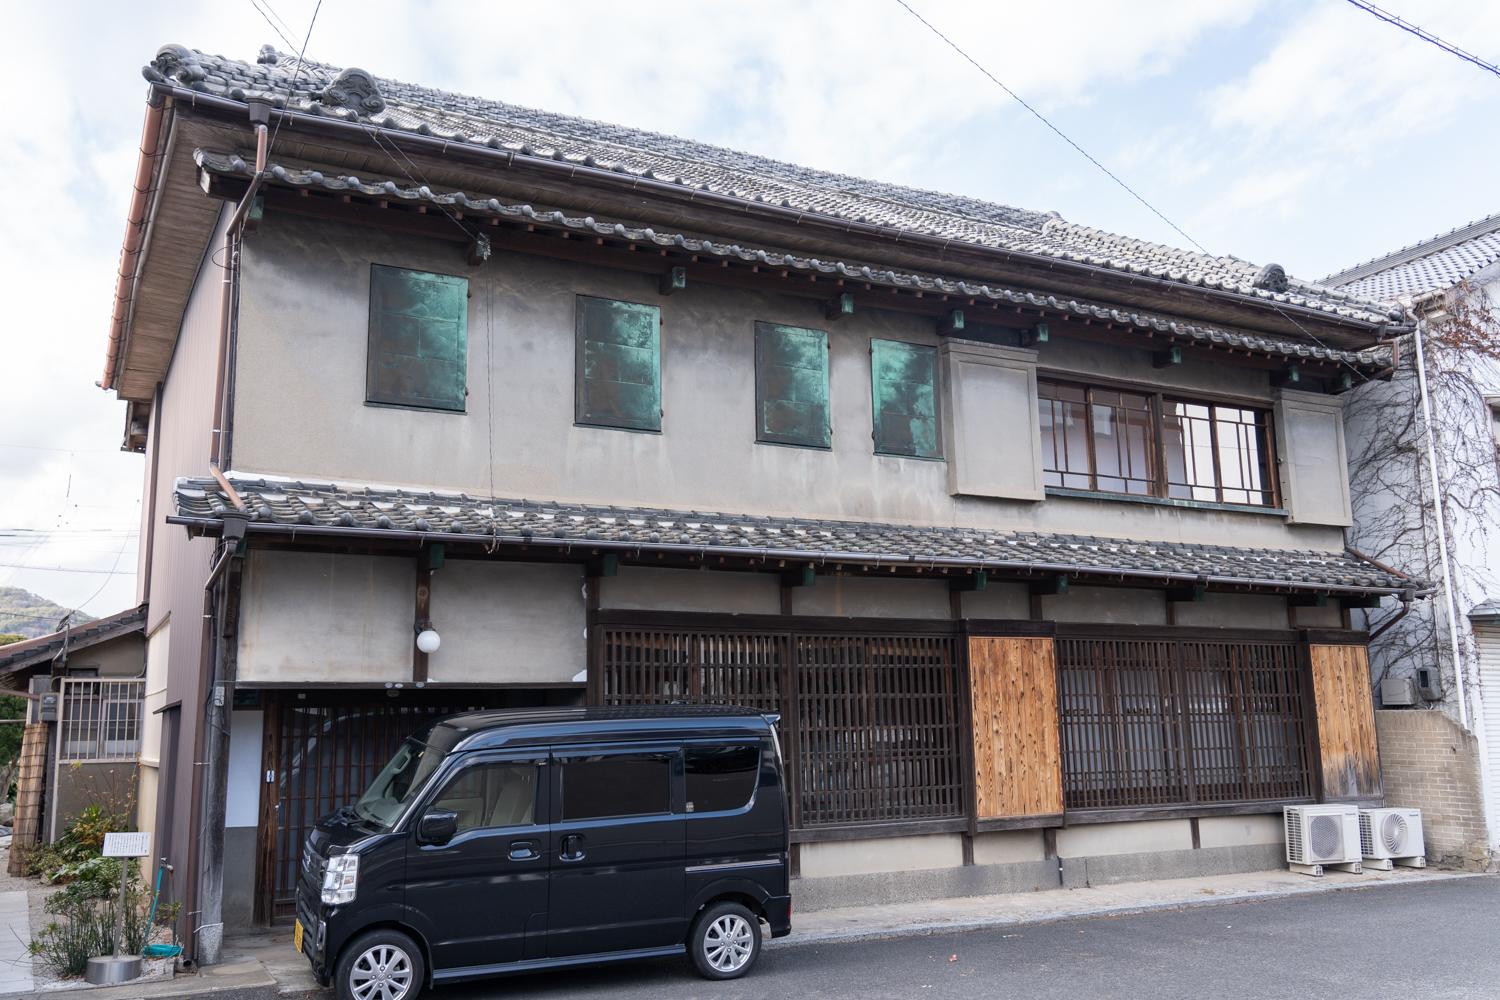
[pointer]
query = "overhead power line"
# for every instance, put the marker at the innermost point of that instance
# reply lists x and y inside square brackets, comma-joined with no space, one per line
[1043,119]
[1425,35]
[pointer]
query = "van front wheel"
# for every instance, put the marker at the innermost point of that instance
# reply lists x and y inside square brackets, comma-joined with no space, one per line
[380,965]
[725,941]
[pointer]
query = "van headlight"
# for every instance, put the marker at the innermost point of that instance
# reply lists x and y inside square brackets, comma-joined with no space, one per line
[340,879]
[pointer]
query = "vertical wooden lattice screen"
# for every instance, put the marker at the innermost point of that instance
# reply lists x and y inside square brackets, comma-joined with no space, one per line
[1346,722]
[1167,721]
[1017,757]
[871,723]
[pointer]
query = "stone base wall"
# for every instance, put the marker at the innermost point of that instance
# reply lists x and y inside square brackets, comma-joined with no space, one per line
[1431,764]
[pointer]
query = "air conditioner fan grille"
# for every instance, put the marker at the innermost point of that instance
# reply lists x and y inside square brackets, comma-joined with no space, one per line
[1325,837]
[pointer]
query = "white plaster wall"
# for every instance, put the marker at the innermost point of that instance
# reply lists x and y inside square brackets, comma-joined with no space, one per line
[882,854]
[1233,611]
[1005,847]
[158,646]
[302,349]
[872,597]
[1124,838]
[334,618]
[1240,831]
[510,623]
[649,588]
[246,740]
[1107,605]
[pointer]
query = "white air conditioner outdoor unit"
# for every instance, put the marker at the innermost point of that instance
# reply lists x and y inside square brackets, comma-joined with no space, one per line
[1319,837]
[1389,836]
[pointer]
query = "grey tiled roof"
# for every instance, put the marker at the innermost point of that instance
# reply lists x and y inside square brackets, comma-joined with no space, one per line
[31,652]
[325,507]
[388,190]
[1440,262]
[324,90]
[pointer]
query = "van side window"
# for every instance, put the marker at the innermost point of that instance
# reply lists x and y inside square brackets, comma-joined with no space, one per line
[491,795]
[721,777]
[616,785]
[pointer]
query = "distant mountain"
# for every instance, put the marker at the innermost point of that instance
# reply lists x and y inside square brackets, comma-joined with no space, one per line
[24,613]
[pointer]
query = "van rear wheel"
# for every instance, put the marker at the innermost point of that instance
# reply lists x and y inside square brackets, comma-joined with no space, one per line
[725,941]
[380,965]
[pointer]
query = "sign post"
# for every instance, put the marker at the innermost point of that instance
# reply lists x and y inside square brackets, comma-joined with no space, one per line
[119,968]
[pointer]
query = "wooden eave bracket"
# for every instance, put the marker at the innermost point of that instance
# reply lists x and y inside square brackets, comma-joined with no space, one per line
[840,306]
[799,576]
[1167,358]
[1038,334]
[1188,595]
[951,324]
[1049,586]
[978,580]
[674,280]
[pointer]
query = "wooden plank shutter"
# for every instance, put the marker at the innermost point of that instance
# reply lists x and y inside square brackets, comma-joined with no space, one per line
[618,367]
[1346,722]
[1017,750]
[418,340]
[791,386]
[905,400]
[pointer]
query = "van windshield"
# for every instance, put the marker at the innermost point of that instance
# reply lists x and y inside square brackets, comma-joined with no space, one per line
[397,784]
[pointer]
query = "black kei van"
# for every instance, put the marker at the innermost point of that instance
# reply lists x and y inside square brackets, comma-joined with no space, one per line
[512,841]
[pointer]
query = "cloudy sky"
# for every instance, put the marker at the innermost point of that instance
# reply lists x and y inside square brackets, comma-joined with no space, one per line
[1299,131]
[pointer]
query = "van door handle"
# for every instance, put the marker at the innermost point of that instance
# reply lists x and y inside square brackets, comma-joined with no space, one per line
[524,850]
[572,848]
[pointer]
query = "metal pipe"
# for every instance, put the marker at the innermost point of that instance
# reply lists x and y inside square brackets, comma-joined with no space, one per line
[574,171]
[1385,626]
[1440,512]
[135,231]
[213,525]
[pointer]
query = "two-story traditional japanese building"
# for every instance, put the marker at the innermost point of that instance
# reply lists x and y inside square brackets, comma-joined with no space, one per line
[1033,535]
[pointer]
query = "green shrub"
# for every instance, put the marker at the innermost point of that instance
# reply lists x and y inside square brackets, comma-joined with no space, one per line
[86,924]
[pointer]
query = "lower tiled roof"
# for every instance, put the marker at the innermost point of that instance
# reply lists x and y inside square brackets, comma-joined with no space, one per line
[288,506]
[43,648]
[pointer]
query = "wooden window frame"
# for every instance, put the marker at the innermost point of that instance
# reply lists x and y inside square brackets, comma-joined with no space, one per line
[1156,450]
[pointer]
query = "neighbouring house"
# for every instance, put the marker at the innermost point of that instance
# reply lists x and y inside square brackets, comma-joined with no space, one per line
[84,723]
[1445,655]
[1033,535]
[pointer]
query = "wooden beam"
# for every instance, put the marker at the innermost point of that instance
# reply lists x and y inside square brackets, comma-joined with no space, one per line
[951,324]
[423,619]
[1307,600]
[674,280]
[1165,359]
[605,565]
[802,576]
[840,306]
[1193,594]
[1038,334]
[974,581]
[1366,601]
[1051,585]
[1288,378]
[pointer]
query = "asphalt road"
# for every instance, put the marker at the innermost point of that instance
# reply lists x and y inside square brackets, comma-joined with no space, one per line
[1436,941]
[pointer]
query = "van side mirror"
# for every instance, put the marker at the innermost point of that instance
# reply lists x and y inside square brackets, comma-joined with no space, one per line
[437,827]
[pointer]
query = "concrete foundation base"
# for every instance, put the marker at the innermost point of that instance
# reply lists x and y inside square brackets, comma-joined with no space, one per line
[884,888]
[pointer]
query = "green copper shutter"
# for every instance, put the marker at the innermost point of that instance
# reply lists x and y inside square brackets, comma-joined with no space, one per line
[791,386]
[903,381]
[618,364]
[419,339]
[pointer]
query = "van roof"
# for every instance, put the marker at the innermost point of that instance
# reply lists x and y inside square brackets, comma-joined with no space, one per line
[519,727]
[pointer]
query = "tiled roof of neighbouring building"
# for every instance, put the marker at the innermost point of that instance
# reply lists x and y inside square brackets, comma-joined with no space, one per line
[1434,264]
[42,649]
[318,89]
[291,506]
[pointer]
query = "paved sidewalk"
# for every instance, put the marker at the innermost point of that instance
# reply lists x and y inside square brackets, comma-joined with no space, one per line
[15,939]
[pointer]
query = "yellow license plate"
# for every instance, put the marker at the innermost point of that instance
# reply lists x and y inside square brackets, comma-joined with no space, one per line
[297,936]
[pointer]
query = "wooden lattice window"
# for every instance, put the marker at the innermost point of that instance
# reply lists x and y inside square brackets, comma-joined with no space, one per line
[419,339]
[1159,722]
[904,395]
[870,723]
[791,386]
[618,364]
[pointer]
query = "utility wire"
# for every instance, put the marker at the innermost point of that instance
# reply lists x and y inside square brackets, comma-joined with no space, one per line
[1112,176]
[274,26]
[1043,119]
[296,75]
[1425,35]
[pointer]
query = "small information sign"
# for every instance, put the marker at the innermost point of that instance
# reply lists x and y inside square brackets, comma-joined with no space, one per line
[127,845]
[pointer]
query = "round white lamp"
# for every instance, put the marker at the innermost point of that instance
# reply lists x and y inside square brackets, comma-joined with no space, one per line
[428,640]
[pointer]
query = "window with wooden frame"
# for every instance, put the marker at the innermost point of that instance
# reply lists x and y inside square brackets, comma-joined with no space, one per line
[418,339]
[791,386]
[618,364]
[1138,442]
[904,397]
